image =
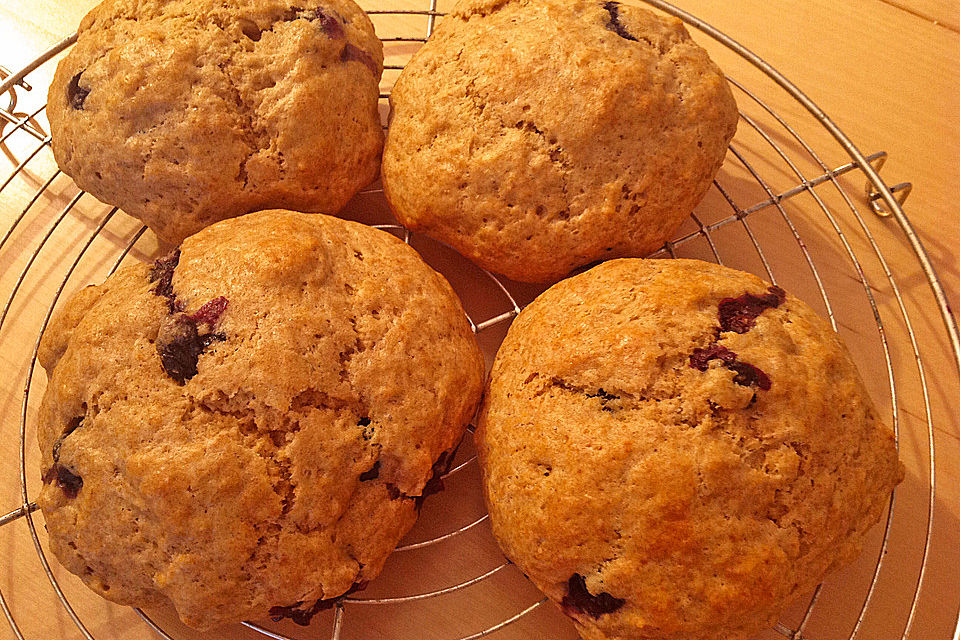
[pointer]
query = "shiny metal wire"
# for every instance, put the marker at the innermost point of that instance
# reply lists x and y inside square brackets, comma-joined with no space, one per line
[741,216]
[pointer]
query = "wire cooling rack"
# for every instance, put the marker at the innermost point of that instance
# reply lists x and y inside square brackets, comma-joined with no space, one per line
[816,219]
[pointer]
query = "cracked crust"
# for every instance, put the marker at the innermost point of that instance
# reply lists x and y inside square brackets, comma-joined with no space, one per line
[310,432]
[653,499]
[534,136]
[187,112]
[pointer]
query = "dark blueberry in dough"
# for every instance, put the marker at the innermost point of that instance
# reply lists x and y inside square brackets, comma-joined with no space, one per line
[210,338]
[740,314]
[579,600]
[434,485]
[351,52]
[747,374]
[372,473]
[368,429]
[179,346]
[180,342]
[700,357]
[162,275]
[68,482]
[329,20]
[76,95]
[613,8]
[330,24]
[603,395]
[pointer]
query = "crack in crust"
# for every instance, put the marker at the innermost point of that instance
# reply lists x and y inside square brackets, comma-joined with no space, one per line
[162,275]
[546,143]
[72,426]
[271,444]
[613,8]
[609,400]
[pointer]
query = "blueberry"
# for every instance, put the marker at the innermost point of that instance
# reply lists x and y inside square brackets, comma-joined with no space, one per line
[352,53]
[76,95]
[179,346]
[68,482]
[700,357]
[747,374]
[613,8]
[329,20]
[579,600]
[740,314]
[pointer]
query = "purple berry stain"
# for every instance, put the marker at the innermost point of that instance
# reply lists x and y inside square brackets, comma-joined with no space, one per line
[76,95]
[579,600]
[740,314]
[330,24]
[352,53]
[747,374]
[210,312]
[183,337]
[329,21]
[67,481]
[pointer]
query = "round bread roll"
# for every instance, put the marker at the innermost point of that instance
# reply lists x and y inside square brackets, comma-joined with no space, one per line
[535,136]
[186,112]
[249,426]
[672,449]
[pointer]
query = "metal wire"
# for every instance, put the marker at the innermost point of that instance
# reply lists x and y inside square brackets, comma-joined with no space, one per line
[705,232]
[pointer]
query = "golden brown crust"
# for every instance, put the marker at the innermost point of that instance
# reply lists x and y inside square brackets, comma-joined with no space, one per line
[704,499]
[284,469]
[187,112]
[533,137]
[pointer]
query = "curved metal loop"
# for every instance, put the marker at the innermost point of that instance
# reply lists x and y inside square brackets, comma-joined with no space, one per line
[877,203]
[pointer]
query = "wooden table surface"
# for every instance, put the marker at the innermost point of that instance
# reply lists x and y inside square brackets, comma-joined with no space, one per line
[886,71]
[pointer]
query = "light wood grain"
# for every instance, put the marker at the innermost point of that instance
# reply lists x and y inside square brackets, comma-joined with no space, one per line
[887,75]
